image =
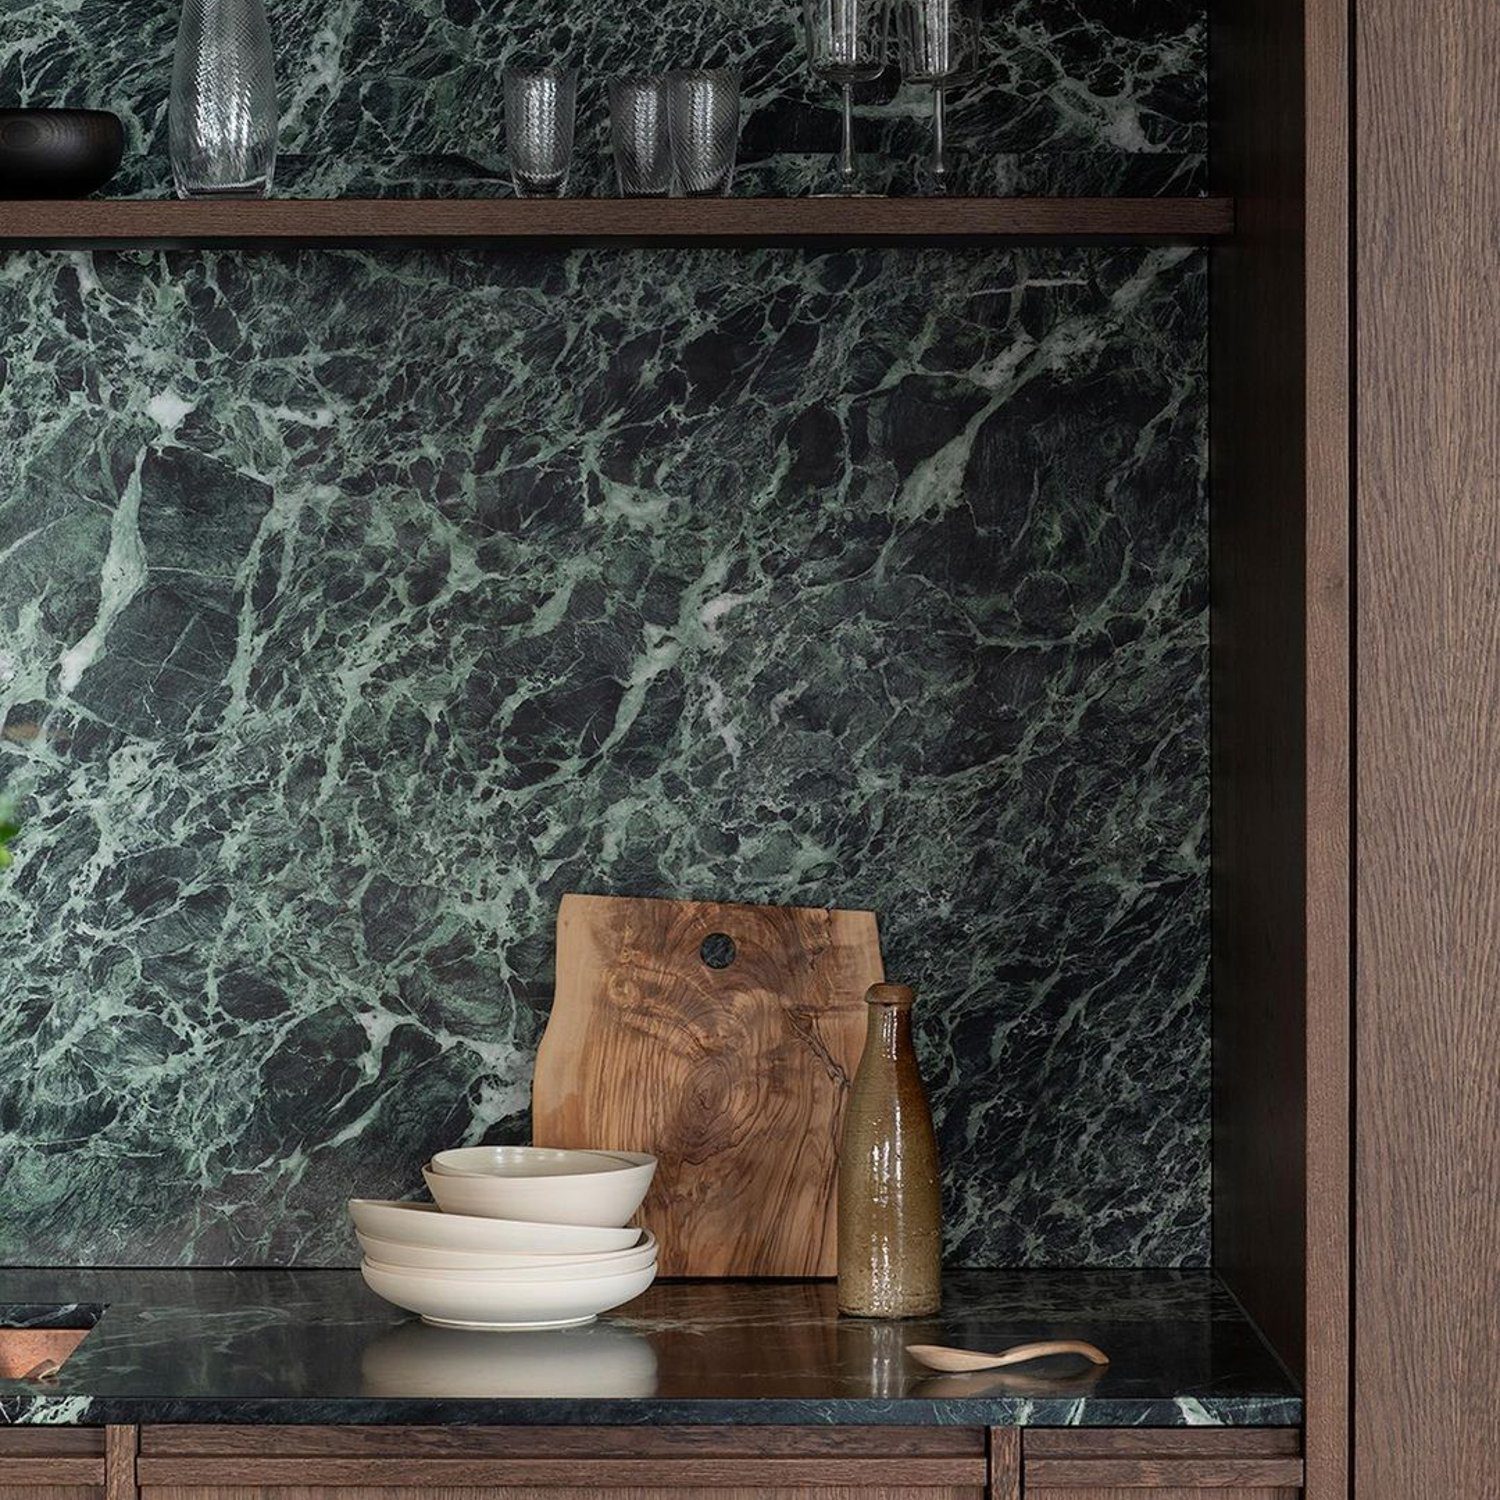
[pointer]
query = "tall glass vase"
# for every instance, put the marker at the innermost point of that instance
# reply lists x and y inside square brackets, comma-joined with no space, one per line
[223,117]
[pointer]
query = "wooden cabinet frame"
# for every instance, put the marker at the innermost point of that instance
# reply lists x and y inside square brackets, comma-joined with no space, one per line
[206,1462]
[202,1462]
[1281,594]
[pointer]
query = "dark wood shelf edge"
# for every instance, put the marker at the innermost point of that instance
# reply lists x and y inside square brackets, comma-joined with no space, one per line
[149,223]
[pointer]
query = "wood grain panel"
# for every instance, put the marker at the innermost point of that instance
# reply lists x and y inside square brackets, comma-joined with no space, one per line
[1427,1312]
[48,1491]
[41,1472]
[120,1447]
[1170,1493]
[1162,1442]
[551,1474]
[1156,1473]
[562,1442]
[1005,1463]
[1279,393]
[61,1442]
[871,221]
[734,1076]
[445,1491]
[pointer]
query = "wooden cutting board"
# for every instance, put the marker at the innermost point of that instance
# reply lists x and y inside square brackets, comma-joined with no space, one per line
[721,1038]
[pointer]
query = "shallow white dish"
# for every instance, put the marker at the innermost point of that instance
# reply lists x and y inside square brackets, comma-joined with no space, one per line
[639,1262]
[424,1258]
[503,1305]
[525,1161]
[599,1199]
[427,1224]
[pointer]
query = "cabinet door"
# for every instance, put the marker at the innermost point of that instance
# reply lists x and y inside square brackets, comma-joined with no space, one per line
[1163,1464]
[515,1463]
[57,1463]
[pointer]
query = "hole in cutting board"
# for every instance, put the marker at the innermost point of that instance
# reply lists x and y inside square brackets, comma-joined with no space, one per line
[717,950]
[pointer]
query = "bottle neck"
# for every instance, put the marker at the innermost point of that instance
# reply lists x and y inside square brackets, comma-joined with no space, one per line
[890,1030]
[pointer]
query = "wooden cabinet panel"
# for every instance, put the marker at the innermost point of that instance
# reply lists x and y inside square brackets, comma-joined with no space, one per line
[1176,1443]
[413,1481]
[1280,528]
[1155,1473]
[1175,1493]
[331,1463]
[1146,1464]
[546,1476]
[52,1464]
[668,1443]
[1428,906]
[43,1490]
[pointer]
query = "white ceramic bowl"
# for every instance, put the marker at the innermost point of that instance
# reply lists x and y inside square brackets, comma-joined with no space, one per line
[524,1161]
[422,1258]
[599,1199]
[426,1224]
[524,1273]
[505,1304]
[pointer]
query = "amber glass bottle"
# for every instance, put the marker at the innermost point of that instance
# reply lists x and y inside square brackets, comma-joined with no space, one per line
[890,1215]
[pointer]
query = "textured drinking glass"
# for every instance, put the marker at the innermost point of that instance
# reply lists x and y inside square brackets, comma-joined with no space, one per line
[541,105]
[847,42]
[638,133]
[222,115]
[939,45]
[703,119]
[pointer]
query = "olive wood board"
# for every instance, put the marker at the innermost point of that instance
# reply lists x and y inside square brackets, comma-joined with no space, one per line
[729,1060]
[35,1352]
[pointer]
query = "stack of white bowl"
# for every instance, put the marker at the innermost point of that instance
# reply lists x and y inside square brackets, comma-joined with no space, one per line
[519,1237]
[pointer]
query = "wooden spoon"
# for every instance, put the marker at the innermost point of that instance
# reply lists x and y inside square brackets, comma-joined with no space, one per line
[966,1361]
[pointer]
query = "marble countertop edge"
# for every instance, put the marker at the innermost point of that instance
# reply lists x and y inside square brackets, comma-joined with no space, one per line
[315,1347]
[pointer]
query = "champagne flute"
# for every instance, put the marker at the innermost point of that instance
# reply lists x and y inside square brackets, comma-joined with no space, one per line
[939,45]
[847,42]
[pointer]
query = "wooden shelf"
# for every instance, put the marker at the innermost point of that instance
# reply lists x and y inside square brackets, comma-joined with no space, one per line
[124,223]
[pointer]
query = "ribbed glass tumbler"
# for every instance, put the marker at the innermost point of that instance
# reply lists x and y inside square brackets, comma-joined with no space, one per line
[704,122]
[222,117]
[541,107]
[638,134]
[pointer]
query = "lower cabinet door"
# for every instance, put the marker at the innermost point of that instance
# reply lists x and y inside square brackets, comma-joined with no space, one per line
[59,1463]
[1162,1464]
[516,1463]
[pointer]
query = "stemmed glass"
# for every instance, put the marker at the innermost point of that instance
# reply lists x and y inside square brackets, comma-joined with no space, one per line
[939,45]
[847,42]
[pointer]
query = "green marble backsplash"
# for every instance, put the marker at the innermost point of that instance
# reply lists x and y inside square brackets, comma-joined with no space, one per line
[404,96]
[354,607]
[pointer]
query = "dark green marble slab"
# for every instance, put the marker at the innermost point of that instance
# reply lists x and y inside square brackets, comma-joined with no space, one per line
[353,608]
[404,96]
[318,1347]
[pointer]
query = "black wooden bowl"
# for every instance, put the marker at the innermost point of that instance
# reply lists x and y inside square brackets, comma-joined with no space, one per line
[58,153]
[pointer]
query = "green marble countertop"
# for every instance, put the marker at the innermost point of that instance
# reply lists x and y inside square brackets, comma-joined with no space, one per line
[310,1346]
